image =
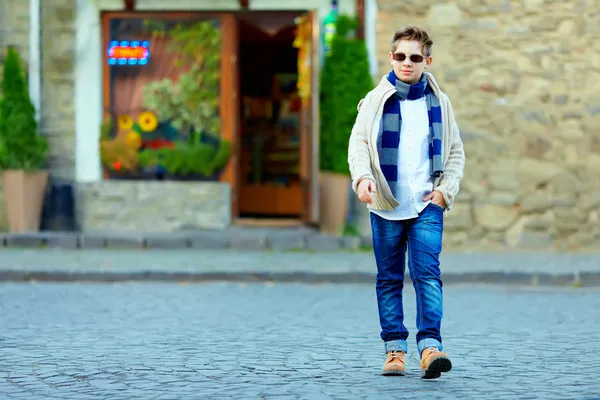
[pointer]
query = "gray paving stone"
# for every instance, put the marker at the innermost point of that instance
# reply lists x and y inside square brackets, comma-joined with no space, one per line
[125,241]
[210,240]
[25,240]
[249,240]
[351,242]
[323,242]
[92,241]
[366,241]
[282,241]
[167,241]
[62,240]
[65,240]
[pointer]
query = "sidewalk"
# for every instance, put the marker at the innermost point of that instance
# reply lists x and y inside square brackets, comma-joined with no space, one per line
[341,266]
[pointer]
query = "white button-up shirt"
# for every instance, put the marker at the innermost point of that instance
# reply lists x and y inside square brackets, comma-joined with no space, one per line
[414,167]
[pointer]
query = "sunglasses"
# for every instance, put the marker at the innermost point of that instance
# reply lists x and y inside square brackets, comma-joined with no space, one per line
[416,58]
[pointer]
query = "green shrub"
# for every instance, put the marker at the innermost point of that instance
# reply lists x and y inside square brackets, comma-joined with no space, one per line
[21,147]
[188,159]
[345,80]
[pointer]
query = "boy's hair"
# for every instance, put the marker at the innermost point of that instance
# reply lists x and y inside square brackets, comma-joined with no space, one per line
[411,32]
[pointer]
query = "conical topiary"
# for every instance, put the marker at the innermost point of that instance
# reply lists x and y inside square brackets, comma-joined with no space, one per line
[21,148]
[345,80]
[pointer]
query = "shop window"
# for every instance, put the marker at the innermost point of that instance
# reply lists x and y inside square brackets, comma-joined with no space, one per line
[162,100]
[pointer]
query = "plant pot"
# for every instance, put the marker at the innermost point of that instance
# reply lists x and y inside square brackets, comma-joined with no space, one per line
[24,195]
[333,202]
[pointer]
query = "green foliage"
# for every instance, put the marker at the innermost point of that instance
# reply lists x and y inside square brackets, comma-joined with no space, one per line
[351,230]
[188,158]
[106,128]
[21,147]
[222,155]
[345,79]
[193,101]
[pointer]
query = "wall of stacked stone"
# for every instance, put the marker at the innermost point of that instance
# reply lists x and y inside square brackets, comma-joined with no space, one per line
[58,85]
[524,79]
[152,206]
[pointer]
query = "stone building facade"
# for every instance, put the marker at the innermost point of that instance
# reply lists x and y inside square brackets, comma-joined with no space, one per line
[524,80]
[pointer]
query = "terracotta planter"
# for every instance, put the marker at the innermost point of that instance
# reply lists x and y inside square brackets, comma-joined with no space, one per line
[24,194]
[333,202]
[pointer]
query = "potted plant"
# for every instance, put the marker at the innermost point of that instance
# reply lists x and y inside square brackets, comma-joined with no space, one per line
[23,152]
[345,80]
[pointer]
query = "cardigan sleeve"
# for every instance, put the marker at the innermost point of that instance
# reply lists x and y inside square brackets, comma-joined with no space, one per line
[455,165]
[359,159]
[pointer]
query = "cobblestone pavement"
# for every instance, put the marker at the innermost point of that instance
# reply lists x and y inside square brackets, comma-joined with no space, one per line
[265,340]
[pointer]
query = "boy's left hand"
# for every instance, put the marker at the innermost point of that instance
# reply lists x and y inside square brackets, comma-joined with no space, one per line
[359,104]
[436,198]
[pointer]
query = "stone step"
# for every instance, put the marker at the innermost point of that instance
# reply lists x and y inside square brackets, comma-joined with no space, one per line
[239,238]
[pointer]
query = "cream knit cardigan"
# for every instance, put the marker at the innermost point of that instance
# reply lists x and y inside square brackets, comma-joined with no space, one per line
[363,157]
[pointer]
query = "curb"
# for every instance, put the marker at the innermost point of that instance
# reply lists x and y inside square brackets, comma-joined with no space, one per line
[588,279]
[238,239]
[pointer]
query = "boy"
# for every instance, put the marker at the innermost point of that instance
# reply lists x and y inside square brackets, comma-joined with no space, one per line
[406,160]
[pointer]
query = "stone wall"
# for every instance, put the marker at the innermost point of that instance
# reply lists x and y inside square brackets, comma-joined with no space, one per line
[14,27]
[58,85]
[153,206]
[524,79]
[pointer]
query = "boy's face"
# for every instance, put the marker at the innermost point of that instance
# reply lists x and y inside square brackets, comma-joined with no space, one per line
[409,71]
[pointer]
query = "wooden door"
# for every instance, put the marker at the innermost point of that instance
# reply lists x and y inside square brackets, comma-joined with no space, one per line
[230,124]
[309,121]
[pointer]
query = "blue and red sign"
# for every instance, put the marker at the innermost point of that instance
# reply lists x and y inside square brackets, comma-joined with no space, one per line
[125,52]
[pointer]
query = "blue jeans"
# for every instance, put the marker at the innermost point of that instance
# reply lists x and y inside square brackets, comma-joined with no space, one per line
[422,237]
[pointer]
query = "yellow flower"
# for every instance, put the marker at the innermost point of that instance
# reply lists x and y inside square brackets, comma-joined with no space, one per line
[147,121]
[125,122]
[133,140]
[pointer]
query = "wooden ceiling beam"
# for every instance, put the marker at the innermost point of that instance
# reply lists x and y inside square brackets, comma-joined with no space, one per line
[129,5]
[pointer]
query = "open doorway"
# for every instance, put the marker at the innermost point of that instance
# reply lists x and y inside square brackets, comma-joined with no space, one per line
[270,155]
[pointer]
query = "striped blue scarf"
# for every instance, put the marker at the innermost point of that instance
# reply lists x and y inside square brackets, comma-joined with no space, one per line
[388,140]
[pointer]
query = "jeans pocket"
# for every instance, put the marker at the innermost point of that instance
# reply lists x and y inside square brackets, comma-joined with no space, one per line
[436,206]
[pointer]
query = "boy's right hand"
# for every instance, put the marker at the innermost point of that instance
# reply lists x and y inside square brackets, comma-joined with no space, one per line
[364,190]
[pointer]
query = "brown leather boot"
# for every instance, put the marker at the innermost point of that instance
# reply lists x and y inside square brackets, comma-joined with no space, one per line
[433,363]
[394,363]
